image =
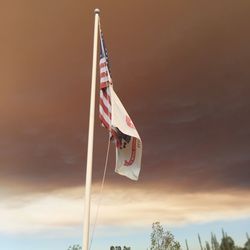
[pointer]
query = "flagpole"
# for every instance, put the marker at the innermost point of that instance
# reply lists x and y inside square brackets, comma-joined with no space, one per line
[88,181]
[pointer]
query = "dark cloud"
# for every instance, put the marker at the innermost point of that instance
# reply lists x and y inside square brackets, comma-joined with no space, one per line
[181,69]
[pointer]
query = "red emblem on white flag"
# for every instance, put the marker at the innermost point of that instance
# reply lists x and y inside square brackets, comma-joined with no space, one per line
[129,122]
[129,162]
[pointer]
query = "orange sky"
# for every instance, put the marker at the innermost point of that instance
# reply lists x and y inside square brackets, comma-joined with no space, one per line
[181,70]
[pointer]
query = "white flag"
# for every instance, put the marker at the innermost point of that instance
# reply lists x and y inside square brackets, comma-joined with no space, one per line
[129,148]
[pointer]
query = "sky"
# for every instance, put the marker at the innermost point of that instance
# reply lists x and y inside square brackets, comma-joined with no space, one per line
[181,69]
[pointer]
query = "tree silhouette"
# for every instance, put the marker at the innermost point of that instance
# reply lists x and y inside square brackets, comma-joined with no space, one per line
[227,243]
[75,247]
[161,239]
[214,242]
[119,248]
[247,245]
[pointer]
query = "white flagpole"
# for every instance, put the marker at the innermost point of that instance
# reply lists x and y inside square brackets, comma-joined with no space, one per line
[86,222]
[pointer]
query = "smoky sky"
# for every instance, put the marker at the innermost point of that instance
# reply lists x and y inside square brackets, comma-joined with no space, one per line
[181,69]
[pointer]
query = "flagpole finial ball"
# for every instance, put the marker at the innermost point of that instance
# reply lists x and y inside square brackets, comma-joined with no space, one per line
[97,11]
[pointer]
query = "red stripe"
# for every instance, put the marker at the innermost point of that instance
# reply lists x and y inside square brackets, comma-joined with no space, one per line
[107,96]
[104,85]
[105,108]
[103,65]
[103,74]
[105,123]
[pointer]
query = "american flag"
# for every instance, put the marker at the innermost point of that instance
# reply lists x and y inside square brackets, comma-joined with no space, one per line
[105,80]
[105,105]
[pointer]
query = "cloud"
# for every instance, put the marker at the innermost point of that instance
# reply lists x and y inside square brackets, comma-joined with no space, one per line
[63,209]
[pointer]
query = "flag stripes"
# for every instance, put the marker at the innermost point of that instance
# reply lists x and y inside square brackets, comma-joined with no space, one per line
[105,108]
[105,80]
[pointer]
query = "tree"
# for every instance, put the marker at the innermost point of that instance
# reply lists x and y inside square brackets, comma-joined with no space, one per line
[126,248]
[119,248]
[214,242]
[199,238]
[247,245]
[161,239]
[207,246]
[227,243]
[75,247]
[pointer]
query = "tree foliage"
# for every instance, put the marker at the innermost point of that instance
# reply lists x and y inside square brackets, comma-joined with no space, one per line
[161,239]
[75,247]
[227,243]
[164,240]
[214,242]
[120,248]
[247,245]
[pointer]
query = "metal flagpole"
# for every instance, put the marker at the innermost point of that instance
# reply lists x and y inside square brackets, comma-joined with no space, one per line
[90,140]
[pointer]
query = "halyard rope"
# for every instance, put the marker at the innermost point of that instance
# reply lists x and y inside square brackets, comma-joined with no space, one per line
[100,193]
